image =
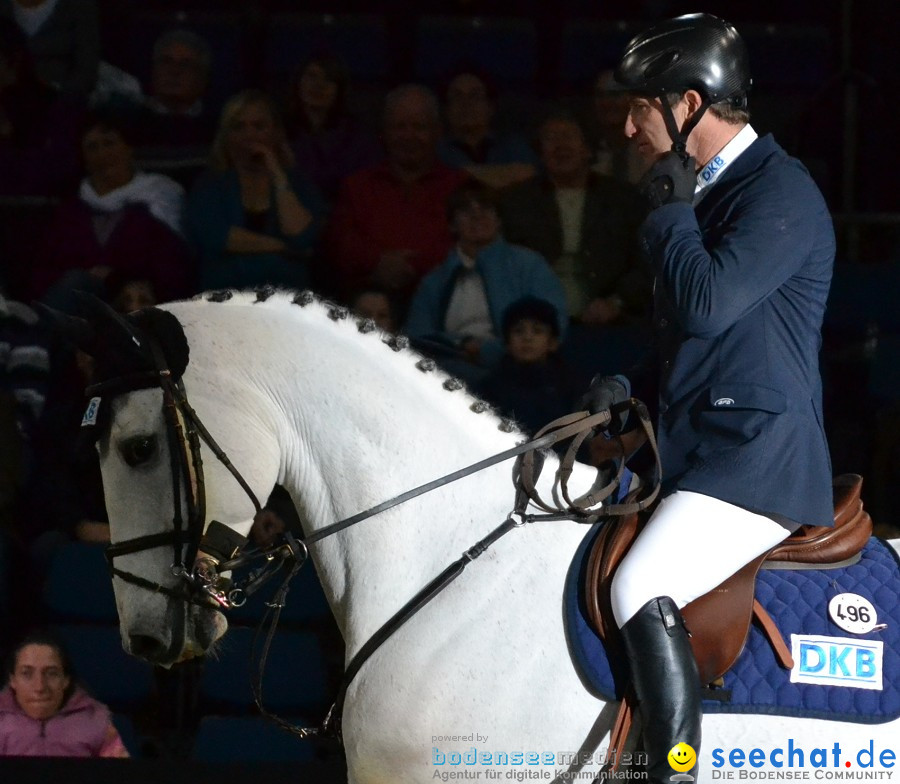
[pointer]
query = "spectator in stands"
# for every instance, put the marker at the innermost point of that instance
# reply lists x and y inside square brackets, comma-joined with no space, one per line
[64,38]
[584,224]
[613,155]
[122,220]
[38,140]
[532,384]
[25,348]
[376,305]
[498,160]
[460,305]
[63,497]
[44,713]
[173,119]
[389,226]
[327,141]
[127,294]
[253,218]
[24,367]
[24,371]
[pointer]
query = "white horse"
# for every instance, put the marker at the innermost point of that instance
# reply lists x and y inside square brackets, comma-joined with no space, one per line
[344,422]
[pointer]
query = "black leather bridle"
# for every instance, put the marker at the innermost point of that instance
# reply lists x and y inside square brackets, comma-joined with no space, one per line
[221,548]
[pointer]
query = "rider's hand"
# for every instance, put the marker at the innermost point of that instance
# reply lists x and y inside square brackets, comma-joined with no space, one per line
[671,179]
[605,392]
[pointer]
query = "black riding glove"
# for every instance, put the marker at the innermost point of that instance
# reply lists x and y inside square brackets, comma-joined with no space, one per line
[604,392]
[669,180]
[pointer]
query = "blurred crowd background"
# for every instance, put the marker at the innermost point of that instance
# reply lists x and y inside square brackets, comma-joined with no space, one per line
[456,171]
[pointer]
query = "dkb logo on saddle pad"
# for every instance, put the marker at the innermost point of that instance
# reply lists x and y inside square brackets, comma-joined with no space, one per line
[837,661]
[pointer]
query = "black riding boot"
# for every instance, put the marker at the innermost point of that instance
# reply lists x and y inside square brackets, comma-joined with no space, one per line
[666,683]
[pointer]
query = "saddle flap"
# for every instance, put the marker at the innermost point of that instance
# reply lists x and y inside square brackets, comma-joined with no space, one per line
[718,621]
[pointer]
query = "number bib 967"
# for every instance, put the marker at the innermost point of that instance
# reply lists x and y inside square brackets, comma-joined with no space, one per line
[853,613]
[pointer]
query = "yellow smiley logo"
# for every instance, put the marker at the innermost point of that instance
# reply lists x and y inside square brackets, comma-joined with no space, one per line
[682,757]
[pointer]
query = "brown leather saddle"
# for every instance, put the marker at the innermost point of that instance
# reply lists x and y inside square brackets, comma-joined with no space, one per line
[719,621]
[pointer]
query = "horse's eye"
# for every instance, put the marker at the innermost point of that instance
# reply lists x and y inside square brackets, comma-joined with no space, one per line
[138,450]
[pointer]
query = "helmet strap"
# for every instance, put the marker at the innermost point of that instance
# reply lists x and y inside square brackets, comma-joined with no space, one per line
[679,135]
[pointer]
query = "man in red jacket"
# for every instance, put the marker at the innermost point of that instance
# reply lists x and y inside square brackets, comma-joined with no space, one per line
[390,226]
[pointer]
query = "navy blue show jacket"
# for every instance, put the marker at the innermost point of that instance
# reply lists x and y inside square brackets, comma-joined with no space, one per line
[742,280]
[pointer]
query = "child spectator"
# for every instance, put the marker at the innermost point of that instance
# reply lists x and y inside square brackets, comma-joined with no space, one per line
[532,384]
[376,305]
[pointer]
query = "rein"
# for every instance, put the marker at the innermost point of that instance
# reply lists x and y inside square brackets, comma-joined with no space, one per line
[224,550]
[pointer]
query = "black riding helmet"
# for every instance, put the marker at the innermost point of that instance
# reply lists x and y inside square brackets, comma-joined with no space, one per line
[693,52]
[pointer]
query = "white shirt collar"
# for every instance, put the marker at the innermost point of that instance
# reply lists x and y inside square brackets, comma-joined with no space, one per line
[468,262]
[724,158]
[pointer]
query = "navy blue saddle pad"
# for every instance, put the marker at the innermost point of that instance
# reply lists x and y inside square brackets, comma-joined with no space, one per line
[837,675]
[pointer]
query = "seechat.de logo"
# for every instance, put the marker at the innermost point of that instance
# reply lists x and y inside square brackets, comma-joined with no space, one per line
[682,757]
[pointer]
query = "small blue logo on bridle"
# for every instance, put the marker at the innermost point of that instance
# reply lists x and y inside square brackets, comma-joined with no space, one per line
[90,414]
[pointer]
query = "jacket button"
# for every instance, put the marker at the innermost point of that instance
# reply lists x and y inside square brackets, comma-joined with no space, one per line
[664,322]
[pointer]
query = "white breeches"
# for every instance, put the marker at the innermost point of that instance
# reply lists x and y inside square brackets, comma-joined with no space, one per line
[691,544]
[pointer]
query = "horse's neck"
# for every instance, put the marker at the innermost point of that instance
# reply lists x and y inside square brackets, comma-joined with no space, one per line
[353,424]
[387,437]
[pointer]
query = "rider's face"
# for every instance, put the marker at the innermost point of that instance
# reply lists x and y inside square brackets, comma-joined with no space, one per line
[646,128]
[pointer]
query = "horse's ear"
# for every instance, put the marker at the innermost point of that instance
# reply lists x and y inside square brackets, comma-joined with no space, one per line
[78,331]
[99,313]
[130,333]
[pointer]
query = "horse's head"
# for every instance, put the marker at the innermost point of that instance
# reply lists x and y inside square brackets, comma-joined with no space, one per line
[150,481]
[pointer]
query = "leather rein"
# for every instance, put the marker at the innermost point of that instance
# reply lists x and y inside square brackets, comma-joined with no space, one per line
[224,549]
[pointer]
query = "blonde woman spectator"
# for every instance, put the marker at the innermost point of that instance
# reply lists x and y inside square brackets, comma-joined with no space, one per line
[253,219]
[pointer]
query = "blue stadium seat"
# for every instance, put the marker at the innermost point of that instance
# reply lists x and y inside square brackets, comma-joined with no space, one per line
[112,676]
[249,739]
[361,40]
[79,586]
[505,47]
[295,678]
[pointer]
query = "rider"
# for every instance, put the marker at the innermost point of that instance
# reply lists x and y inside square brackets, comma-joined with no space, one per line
[742,246]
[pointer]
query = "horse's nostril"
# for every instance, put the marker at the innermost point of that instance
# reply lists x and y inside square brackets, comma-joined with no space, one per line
[146,647]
